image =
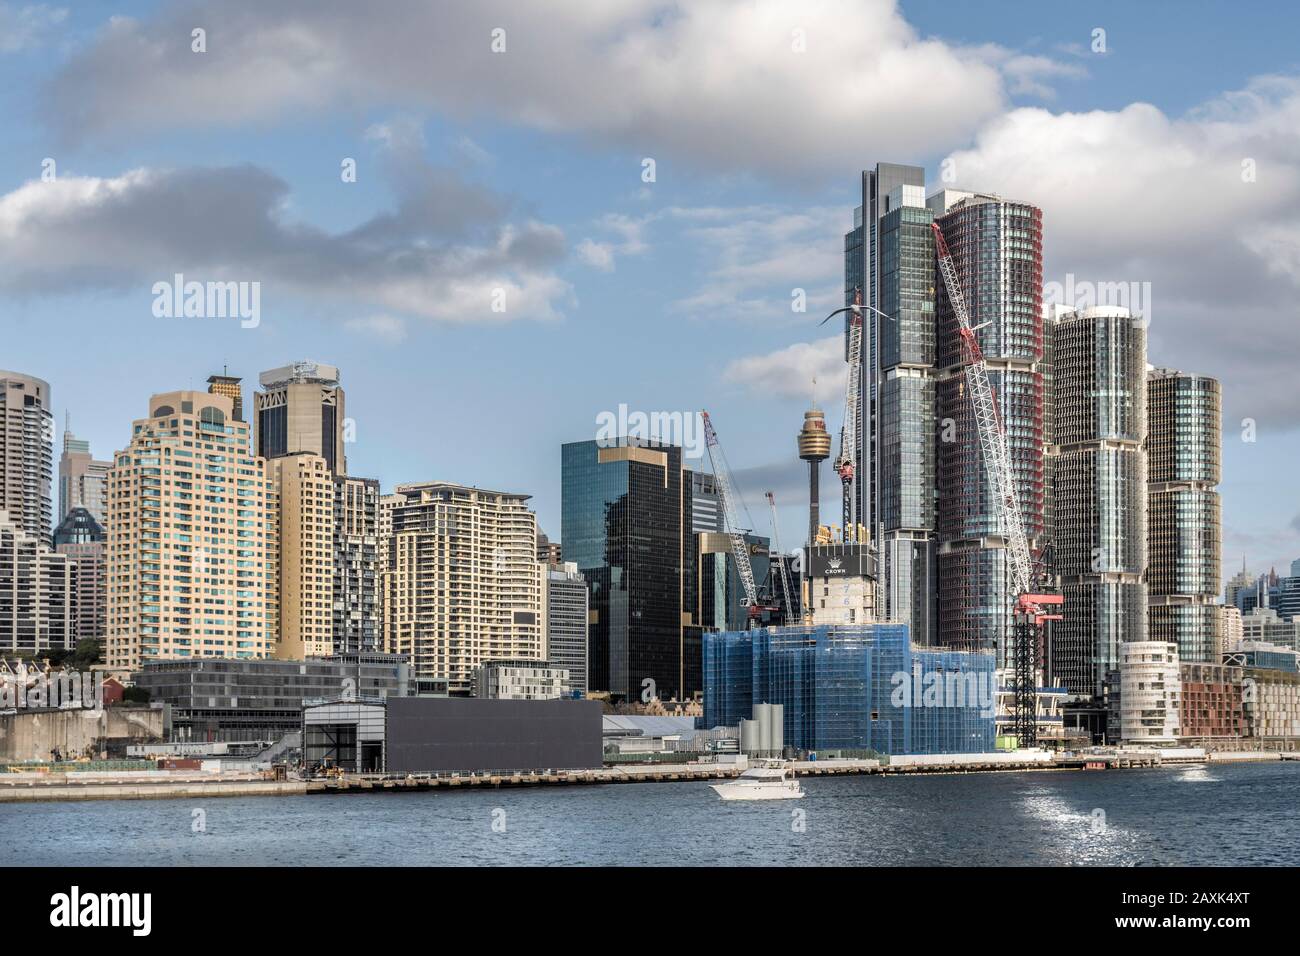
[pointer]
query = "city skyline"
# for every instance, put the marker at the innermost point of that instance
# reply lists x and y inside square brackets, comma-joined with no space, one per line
[706,254]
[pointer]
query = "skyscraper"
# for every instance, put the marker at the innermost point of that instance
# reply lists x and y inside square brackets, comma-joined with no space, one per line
[356,565]
[996,246]
[462,583]
[1184,413]
[232,387]
[300,408]
[83,481]
[304,519]
[1099,385]
[192,543]
[38,593]
[26,451]
[566,622]
[625,522]
[889,254]
[80,537]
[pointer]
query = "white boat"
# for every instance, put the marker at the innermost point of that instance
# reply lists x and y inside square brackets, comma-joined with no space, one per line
[770,780]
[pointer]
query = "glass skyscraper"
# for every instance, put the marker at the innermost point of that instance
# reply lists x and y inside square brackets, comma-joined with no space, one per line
[625,522]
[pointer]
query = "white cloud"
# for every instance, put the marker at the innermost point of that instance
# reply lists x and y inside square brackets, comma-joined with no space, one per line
[718,83]
[385,328]
[801,371]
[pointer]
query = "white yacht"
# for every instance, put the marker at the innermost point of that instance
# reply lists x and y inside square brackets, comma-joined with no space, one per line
[770,780]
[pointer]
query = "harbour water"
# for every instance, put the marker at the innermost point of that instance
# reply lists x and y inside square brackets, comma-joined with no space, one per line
[1188,815]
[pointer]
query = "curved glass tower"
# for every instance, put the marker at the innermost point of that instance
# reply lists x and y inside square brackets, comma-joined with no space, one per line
[1184,539]
[1100,475]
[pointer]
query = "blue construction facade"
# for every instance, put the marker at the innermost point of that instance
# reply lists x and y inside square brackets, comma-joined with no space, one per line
[853,687]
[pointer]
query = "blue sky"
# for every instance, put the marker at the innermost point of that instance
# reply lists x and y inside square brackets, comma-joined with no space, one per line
[522,170]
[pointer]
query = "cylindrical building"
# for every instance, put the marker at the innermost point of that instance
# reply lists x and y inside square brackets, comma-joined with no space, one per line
[1099,423]
[996,247]
[1184,540]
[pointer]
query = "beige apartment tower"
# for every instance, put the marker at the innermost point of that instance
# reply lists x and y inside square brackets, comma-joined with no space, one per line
[192,544]
[300,408]
[304,490]
[462,583]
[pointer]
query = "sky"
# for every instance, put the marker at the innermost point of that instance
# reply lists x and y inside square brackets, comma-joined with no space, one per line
[561,209]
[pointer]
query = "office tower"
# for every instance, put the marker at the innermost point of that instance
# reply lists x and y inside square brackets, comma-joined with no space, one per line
[230,386]
[83,481]
[26,451]
[38,593]
[566,623]
[1100,492]
[300,408]
[192,546]
[996,247]
[356,565]
[1183,515]
[549,552]
[305,526]
[1239,582]
[80,537]
[625,520]
[462,583]
[814,448]
[889,254]
[706,506]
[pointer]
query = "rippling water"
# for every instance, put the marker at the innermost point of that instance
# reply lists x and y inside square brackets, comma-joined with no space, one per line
[1201,815]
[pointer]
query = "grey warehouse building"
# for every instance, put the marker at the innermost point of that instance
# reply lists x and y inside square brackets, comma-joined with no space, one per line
[419,735]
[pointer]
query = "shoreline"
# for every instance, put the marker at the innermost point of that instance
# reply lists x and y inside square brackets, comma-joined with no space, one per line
[163,785]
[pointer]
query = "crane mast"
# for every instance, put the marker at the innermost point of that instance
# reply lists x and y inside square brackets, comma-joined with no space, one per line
[1030,609]
[787,593]
[846,462]
[731,524]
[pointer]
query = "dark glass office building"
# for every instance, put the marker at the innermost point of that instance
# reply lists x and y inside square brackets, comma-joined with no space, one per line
[625,522]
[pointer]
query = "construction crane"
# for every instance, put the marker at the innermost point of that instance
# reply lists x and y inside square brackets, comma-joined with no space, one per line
[787,592]
[730,518]
[1031,610]
[846,461]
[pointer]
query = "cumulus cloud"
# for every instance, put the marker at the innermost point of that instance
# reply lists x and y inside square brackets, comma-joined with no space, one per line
[445,251]
[761,85]
[803,370]
[1203,207]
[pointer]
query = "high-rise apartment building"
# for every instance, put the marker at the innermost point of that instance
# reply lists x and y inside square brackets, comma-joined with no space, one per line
[26,451]
[38,593]
[1099,390]
[300,408]
[304,496]
[192,546]
[996,247]
[80,537]
[1184,414]
[549,552]
[231,386]
[566,623]
[83,481]
[626,519]
[462,583]
[356,565]
[889,255]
